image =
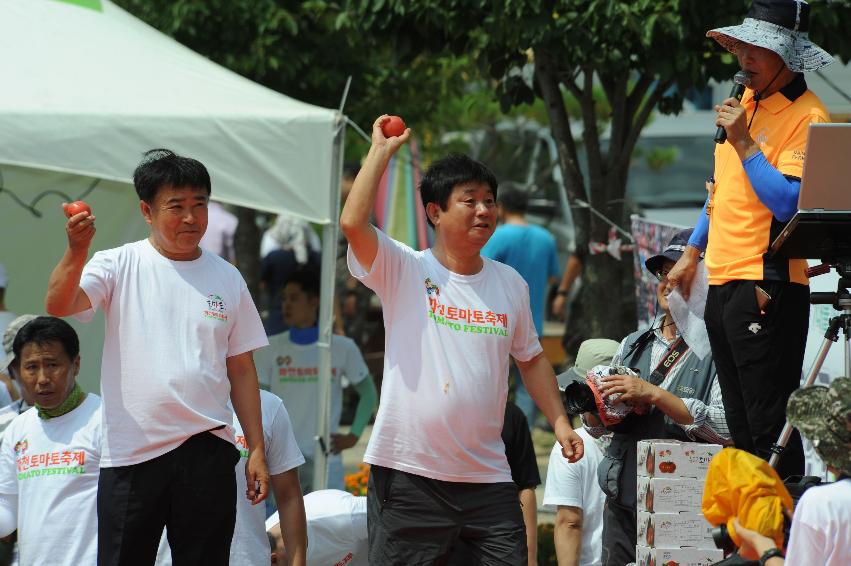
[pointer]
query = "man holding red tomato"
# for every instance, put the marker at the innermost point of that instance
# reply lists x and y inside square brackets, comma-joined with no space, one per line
[439,473]
[180,331]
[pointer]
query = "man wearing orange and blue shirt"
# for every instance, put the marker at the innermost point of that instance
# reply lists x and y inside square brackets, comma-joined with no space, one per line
[757,309]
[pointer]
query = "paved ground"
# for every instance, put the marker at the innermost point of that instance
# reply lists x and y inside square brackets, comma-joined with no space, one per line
[543,441]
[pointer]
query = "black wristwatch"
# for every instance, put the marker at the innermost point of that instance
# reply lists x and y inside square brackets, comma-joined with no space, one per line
[769,554]
[561,293]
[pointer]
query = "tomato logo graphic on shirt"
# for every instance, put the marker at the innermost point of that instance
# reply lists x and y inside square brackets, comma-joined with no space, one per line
[215,303]
[21,446]
[431,287]
[216,308]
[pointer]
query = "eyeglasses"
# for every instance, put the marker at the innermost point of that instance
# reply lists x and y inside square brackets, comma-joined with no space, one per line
[662,274]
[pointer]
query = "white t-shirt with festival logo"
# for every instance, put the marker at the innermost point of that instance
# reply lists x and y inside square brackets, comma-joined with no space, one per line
[170,326]
[447,343]
[52,466]
[291,372]
[250,544]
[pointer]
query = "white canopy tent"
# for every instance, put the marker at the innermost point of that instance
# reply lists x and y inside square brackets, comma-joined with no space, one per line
[86,91]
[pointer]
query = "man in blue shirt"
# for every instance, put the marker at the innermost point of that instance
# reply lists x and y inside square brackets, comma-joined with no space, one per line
[531,250]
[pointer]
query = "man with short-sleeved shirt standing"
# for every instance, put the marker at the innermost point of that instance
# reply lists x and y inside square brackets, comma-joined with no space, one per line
[180,330]
[452,318]
[289,368]
[49,454]
[757,309]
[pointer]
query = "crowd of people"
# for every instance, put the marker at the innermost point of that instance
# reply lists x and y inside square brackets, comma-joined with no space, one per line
[204,412]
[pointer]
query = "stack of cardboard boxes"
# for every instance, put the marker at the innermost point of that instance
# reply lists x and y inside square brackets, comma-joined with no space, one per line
[671,527]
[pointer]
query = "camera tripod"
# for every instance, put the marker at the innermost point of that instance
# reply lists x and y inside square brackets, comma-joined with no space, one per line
[841,301]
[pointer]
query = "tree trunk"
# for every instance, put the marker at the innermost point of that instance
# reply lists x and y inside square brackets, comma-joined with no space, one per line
[247,248]
[608,284]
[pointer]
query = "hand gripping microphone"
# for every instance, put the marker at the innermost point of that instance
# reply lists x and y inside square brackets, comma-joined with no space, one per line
[741,80]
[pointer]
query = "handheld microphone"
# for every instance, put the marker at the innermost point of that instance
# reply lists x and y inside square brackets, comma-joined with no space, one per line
[741,80]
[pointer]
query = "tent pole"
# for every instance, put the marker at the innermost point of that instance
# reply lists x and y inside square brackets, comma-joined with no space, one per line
[330,230]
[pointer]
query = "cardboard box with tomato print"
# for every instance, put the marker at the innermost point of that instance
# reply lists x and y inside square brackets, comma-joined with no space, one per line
[673,530]
[646,556]
[674,459]
[669,495]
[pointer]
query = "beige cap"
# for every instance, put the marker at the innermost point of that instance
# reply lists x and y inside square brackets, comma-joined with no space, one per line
[592,352]
[9,339]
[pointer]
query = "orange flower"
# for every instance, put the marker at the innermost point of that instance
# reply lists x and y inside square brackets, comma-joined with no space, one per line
[356,483]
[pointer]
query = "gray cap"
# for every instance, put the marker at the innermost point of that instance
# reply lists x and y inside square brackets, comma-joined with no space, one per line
[9,339]
[592,352]
[823,416]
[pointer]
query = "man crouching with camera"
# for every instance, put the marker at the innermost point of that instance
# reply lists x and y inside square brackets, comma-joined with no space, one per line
[675,395]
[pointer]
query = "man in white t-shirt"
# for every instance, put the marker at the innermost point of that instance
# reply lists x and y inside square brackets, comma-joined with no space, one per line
[452,318]
[250,545]
[571,489]
[180,330]
[49,455]
[289,367]
[336,528]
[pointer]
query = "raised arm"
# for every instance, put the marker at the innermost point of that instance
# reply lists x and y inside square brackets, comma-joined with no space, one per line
[64,295]
[354,220]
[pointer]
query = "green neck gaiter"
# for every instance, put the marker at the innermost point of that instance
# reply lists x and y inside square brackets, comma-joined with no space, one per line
[71,402]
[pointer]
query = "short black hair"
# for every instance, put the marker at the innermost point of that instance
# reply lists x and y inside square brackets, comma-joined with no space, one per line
[307,278]
[161,168]
[514,199]
[44,329]
[444,174]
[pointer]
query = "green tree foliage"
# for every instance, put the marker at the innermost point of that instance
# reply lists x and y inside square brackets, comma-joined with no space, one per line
[642,55]
[306,49]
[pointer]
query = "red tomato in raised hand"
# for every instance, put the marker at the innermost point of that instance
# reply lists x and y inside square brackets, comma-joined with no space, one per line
[76,207]
[393,127]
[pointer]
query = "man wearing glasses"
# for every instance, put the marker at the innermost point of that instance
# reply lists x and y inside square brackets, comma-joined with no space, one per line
[682,388]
